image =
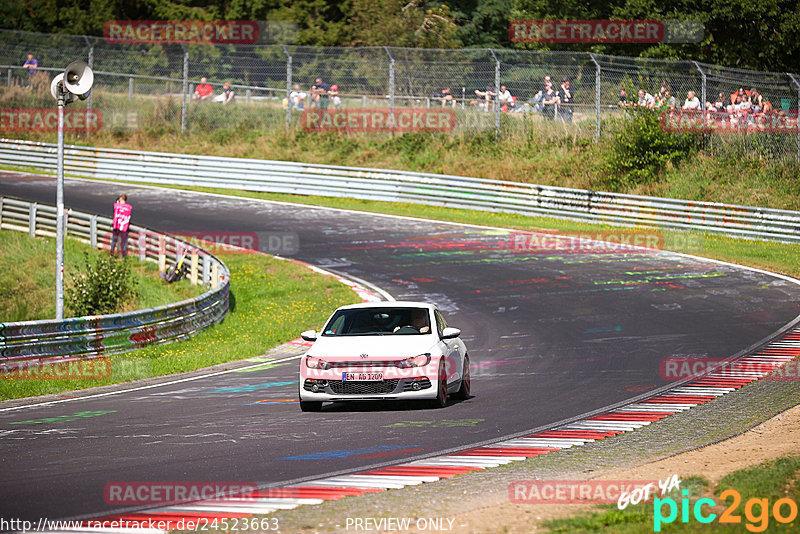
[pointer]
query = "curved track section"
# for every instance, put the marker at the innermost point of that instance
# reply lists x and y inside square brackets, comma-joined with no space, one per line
[552,335]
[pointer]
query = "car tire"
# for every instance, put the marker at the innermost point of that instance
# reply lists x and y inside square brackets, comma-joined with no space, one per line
[441,395]
[463,391]
[310,406]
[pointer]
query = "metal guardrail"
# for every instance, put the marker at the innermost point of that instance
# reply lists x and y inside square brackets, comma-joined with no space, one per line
[26,342]
[401,186]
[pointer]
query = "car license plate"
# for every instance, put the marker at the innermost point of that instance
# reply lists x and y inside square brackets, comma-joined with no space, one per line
[361,377]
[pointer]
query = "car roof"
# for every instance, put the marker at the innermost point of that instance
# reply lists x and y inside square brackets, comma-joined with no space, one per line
[390,304]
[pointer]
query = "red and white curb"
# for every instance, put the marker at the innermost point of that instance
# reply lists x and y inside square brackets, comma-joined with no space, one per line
[625,419]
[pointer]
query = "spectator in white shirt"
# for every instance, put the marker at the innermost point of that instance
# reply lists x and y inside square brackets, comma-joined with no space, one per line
[646,99]
[692,102]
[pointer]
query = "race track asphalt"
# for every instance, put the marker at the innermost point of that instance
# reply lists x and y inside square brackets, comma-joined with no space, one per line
[552,334]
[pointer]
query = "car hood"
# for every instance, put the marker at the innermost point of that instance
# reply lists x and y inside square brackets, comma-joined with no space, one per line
[380,347]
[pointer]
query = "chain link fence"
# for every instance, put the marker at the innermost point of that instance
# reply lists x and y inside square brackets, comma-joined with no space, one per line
[151,87]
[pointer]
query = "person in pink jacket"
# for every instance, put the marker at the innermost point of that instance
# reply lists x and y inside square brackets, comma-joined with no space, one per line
[122,220]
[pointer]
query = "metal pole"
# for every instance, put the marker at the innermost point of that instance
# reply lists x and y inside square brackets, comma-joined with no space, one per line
[89,101]
[496,94]
[797,83]
[391,79]
[60,209]
[702,99]
[185,88]
[288,87]
[597,79]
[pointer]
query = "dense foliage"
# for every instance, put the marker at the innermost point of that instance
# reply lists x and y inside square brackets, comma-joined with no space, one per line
[105,286]
[761,35]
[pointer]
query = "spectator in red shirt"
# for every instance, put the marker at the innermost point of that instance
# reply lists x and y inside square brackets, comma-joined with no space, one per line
[203,91]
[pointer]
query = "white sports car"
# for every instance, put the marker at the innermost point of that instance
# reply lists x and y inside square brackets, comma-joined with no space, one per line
[380,351]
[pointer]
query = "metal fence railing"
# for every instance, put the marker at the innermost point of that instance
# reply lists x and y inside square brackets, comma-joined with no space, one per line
[95,336]
[402,186]
[151,86]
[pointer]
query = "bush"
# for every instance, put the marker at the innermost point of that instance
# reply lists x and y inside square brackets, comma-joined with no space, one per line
[103,288]
[640,148]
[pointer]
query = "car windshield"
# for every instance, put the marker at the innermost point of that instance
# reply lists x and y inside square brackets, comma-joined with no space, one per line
[378,322]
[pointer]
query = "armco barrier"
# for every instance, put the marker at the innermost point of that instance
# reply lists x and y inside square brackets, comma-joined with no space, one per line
[28,342]
[401,186]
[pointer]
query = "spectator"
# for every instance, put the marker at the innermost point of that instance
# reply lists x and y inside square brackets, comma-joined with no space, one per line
[504,98]
[667,101]
[549,101]
[227,94]
[719,105]
[297,98]
[646,100]
[565,98]
[120,224]
[756,101]
[445,96]
[203,91]
[319,94]
[692,102]
[623,99]
[333,93]
[487,95]
[537,99]
[31,64]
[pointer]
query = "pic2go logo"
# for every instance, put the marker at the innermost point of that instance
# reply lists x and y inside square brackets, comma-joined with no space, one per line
[756,511]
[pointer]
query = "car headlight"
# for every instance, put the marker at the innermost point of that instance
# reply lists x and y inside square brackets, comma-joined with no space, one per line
[420,360]
[316,363]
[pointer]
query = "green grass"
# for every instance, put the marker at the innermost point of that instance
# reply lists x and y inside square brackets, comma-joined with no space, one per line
[27,287]
[272,302]
[771,480]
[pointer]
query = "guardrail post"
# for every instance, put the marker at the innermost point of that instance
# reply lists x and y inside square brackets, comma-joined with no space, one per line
[288,87]
[193,274]
[214,275]
[797,83]
[206,269]
[93,231]
[597,80]
[162,254]
[1,212]
[32,219]
[496,95]
[185,88]
[142,244]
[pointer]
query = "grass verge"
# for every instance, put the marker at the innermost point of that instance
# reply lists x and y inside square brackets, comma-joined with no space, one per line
[747,496]
[29,278]
[271,302]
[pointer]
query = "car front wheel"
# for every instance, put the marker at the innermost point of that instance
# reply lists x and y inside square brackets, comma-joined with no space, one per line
[463,391]
[441,396]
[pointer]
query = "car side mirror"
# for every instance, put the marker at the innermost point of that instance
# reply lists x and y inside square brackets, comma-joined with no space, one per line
[309,335]
[450,333]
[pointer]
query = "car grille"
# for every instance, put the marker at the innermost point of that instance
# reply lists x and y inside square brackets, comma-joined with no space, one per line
[362,388]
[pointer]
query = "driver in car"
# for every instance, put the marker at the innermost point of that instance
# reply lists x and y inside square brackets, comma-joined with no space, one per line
[419,323]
